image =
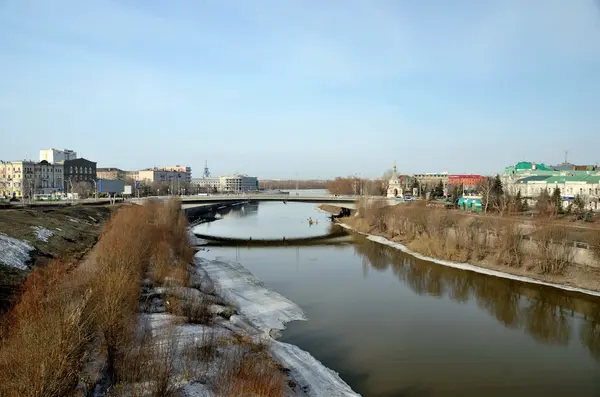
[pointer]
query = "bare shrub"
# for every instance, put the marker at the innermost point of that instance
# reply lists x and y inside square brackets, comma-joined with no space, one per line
[49,330]
[245,372]
[554,249]
[198,355]
[595,244]
[510,244]
[147,367]
[195,309]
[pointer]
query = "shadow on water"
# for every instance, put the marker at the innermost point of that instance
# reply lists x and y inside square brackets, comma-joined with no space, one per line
[541,312]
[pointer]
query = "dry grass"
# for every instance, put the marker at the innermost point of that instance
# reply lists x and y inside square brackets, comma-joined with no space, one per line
[555,249]
[49,329]
[62,310]
[446,235]
[195,309]
[248,370]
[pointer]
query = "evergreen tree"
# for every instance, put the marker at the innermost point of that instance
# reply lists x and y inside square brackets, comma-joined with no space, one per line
[557,201]
[439,190]
[579,206]
[497,188]
[544,203]
[519,202]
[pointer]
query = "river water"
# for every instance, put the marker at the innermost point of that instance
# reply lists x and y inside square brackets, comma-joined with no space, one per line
[392,325]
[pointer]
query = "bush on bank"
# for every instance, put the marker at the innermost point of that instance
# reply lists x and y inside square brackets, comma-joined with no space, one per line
[449,235]
[71,315]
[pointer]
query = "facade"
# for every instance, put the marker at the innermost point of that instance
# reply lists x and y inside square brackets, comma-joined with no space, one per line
[238,183]
[587,187]
[467,181]
[207,183]
[515,176]
[394,184]
[27,178]
[110,173]
[79,170]
[432,179]
[161,175]
[187,171]
[57,155]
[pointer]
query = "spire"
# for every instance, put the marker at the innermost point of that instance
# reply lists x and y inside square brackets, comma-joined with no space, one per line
[394,165]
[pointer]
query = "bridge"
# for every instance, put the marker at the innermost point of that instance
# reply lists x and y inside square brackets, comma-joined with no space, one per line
[340,201]
[337,236]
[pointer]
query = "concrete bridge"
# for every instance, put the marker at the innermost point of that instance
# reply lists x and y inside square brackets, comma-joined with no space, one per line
[338,236]
[339,201]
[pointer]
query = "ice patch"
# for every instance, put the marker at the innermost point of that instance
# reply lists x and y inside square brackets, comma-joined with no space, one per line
[267,310]
[469,267]
[315,378]
[42,234]
[14,252]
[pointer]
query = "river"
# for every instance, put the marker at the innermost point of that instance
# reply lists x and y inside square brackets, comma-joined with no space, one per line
[392,325]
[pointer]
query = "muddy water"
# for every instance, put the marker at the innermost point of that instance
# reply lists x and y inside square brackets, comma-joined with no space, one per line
[392,325]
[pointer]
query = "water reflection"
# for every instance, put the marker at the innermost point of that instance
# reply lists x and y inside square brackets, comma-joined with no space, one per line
[543,313]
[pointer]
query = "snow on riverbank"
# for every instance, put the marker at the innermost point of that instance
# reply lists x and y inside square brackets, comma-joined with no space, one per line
[14,252]
[42,234]
[268,311]
[469,267]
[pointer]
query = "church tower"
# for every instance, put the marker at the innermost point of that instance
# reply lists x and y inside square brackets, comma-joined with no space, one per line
[394,187]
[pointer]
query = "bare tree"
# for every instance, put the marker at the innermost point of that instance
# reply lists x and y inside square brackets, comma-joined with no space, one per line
[485,188]
[82,188]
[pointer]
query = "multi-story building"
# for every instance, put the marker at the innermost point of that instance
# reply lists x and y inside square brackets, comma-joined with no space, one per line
[57,155]
[524,170]
[110,173]
[432,179]
[238,183]
[79,170]
[207,183]
[161,175]
[187,171]
[26,178]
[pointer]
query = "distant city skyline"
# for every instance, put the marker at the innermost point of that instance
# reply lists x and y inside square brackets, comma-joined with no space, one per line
[302,88]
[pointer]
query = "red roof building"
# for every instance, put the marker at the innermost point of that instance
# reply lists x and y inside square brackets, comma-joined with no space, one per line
[465,180]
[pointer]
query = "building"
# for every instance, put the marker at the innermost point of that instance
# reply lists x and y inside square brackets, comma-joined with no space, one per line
[25,178]
[187,171]
[570,186]
[110,173]
[394,184]
[514,176]
[238,183]
[466,180]
[57,155]
[79,170]
[432,179]
[207,184]
[161,175]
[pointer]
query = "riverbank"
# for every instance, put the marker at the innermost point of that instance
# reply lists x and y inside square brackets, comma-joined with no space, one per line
[141,316]
[544,254]
[32,237]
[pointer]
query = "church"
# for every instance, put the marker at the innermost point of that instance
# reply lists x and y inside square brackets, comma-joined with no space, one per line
[394,186]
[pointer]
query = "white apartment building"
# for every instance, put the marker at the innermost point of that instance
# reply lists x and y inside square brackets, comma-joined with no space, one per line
[57,155]
[25,178]
[207,183]
[238,183]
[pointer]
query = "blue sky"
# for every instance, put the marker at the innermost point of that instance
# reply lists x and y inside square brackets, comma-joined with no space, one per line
[315,88]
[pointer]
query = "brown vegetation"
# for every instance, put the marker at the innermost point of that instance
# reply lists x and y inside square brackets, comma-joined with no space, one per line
[248,370]
[64,308]
[69,316]
[356,186]
[460,237]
